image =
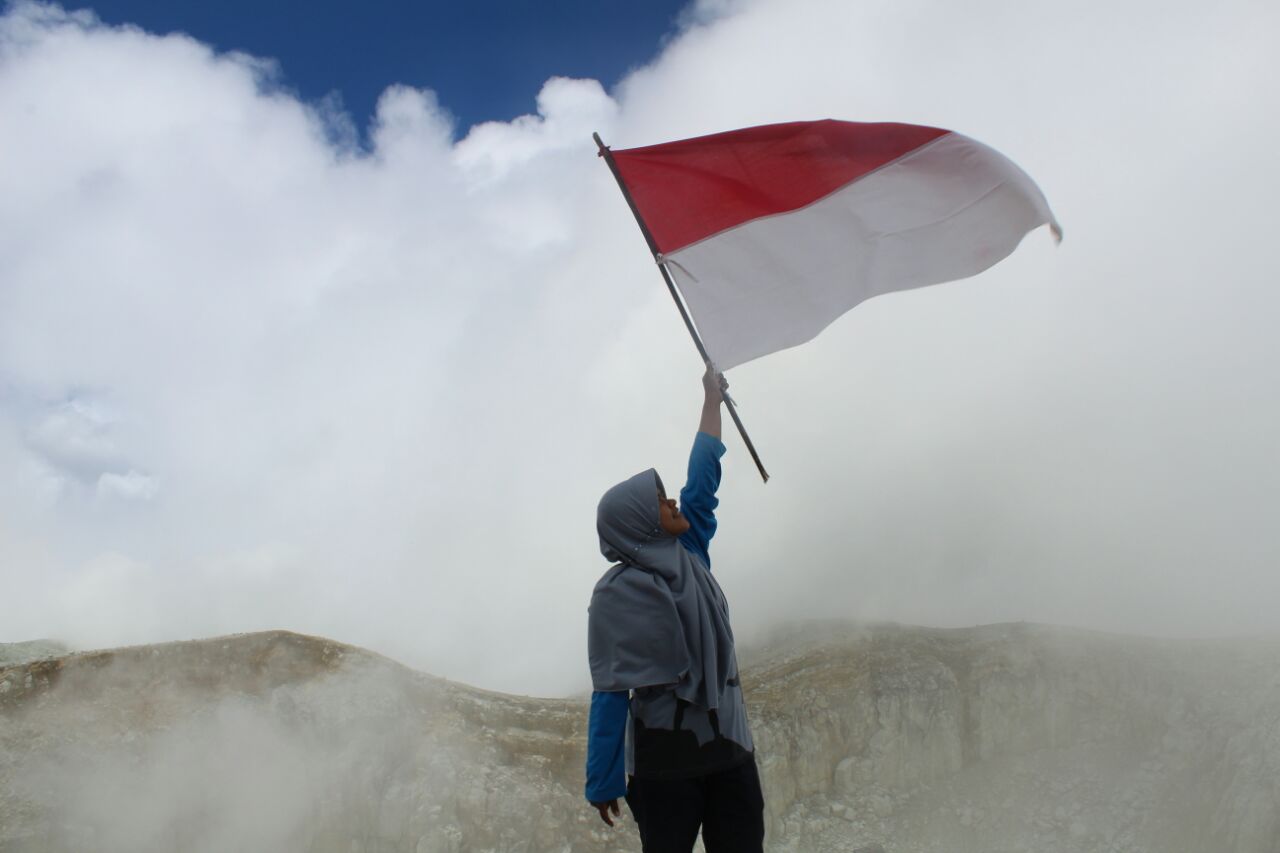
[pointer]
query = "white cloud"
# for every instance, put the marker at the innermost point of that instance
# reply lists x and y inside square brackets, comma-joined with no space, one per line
[568,112]
[131,485]
[74,437]
[376,396]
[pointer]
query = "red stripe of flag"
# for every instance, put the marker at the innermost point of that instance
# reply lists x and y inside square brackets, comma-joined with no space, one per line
[694,188]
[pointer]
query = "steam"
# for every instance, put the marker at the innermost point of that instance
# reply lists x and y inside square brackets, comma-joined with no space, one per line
[253,378]
[169,751]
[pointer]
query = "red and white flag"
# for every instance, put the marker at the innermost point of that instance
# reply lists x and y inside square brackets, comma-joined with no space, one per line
[773,232]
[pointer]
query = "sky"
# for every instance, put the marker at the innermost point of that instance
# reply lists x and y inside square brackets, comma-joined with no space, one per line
[269,363]
[484,59]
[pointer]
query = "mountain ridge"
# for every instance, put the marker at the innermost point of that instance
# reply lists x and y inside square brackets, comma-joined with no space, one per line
[1012,737]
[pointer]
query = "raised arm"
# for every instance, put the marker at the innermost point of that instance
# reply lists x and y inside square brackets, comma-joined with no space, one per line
[712,395]
[698,500]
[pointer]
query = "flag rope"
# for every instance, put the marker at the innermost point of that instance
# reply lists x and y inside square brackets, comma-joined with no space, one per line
[675,295]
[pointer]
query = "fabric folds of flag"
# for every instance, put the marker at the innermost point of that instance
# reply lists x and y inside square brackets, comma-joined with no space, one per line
[773,232]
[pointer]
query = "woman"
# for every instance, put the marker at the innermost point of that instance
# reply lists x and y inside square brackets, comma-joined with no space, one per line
[667,704]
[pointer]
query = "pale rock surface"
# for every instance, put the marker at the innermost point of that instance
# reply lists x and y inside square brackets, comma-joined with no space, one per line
[871,739]
[30,650]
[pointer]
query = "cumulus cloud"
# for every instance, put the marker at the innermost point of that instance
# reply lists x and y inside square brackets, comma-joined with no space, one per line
[375,395]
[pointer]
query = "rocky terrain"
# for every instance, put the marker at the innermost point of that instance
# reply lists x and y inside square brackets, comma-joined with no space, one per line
[31,650]
[1001,739]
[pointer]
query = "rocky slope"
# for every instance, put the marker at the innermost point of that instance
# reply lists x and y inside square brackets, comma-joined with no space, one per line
[1000,739]
[31,650]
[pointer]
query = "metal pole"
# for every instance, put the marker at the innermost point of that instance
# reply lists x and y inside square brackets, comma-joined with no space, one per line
[675,295]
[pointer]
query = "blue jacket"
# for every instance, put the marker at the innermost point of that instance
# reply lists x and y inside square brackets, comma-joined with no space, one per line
[607,723]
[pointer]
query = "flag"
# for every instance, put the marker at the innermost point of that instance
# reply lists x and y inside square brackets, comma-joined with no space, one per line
[773,232]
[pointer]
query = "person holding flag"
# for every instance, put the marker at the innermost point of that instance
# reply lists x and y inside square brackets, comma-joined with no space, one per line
[764,236]
[668,726]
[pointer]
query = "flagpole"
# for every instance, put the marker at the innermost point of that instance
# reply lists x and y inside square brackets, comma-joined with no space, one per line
[675,295]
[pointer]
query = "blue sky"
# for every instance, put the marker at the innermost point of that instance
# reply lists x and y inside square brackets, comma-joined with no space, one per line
[485,59]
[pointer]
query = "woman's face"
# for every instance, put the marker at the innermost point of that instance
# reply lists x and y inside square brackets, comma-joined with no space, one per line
[669,516]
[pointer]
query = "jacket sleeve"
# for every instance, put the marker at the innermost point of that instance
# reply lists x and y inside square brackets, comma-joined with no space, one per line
[698,500]
[606,745]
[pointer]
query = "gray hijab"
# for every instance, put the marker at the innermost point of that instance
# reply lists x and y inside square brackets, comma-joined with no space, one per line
[658,617]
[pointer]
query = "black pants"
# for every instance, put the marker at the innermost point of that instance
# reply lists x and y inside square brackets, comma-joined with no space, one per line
[727,805]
